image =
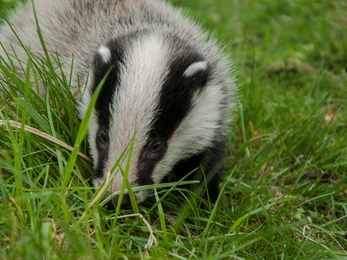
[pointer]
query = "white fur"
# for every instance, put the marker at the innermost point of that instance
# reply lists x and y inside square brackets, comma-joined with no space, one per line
[195,67]
[105,53]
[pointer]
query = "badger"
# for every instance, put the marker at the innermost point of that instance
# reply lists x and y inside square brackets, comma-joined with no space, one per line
[169,90]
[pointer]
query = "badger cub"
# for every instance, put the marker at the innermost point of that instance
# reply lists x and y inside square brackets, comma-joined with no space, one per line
[168,92]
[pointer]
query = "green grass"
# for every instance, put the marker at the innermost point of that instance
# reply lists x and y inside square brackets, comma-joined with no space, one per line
[285,188]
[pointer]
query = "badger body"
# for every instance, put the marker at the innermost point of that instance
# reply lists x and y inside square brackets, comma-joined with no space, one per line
[168,92]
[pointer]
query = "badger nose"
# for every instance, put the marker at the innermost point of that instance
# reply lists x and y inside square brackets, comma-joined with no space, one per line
[112,203]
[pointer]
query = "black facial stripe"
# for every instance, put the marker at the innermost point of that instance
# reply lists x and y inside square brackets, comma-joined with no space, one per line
[100,167]
[176,94]
[108,91]
[145,168]
[103,104]
[147,163]
[175,101]
[102,145]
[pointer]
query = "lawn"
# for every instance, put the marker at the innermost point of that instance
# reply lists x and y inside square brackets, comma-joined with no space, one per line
[285,186]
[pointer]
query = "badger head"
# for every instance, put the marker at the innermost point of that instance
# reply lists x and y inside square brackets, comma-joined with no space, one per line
[162,96]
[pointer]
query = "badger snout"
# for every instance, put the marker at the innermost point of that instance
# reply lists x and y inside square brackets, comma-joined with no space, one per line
[112,203]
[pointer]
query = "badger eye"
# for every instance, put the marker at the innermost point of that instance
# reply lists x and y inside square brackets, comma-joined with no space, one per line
[102,139]
[156,147]
[155,150]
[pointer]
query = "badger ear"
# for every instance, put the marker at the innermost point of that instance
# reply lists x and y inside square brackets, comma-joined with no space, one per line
[197,72]
[105,53]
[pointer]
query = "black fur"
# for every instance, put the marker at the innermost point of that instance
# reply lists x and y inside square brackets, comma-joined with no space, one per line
[149,158]
[207,166]
[105,99]
[177,92]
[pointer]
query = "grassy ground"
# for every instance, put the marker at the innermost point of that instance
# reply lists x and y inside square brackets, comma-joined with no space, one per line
[284,194]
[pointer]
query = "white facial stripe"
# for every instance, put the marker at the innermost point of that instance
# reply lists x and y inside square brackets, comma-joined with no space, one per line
[105,53]
[196,131]
[141,77]
[195,67]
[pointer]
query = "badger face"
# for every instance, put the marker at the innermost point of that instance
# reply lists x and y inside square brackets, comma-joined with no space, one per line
[161,92]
